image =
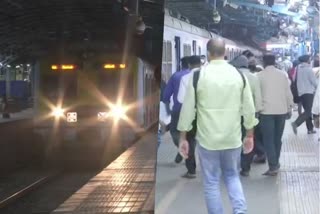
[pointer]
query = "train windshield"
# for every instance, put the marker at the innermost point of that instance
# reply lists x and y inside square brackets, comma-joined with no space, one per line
[59,85]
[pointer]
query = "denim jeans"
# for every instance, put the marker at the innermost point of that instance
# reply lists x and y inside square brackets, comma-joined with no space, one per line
[225,162]
[159,137]
[175,134]
[272,127]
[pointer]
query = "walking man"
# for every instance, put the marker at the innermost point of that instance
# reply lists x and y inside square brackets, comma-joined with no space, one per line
[222,97]
[306,85]
[277,103]
[171,90]
[194,66]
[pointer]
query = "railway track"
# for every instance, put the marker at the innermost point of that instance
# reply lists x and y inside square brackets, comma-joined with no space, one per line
[26,189]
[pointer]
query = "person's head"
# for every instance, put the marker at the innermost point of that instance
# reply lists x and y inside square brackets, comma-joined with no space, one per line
[269,59]
[216,48]
[295,63]
[184,62]
[248,54]
[225,58]
[194,62]
[203,59]
[304,59]
[240,62]
[252,65]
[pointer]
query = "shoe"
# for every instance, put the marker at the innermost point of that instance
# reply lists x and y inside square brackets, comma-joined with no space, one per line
[244,173]
[189,175]
[312,132]
[294,128]
[259,159]
[271,172]
[178,158]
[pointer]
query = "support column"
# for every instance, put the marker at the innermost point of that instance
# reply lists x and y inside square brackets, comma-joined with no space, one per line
[8,94]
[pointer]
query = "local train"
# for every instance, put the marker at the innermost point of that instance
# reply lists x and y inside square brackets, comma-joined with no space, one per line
[183,39]
[94,98]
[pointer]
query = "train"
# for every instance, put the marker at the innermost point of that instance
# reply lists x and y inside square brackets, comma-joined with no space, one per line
[183,39]
[93,101]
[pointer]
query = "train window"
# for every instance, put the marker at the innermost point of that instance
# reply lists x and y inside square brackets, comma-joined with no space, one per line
[187,50]
[164,60]
[56,84]
[194,47]
[227,53]
[169,60]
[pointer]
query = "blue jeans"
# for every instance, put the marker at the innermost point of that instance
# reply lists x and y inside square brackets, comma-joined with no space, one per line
[225,162]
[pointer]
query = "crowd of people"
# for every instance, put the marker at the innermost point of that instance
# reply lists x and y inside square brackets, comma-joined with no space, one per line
[235,113]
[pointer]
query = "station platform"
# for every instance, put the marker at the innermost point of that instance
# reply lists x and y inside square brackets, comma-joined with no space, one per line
[124,186]
[294,191]
[22,115]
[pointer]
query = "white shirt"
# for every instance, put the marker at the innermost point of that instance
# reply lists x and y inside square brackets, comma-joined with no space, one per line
[316,101]
[183,85]
[275,91]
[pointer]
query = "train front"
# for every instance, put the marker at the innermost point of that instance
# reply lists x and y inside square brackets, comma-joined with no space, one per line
[88,102]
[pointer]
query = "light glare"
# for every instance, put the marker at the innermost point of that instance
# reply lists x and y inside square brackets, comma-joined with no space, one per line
[58,112]
[118,111]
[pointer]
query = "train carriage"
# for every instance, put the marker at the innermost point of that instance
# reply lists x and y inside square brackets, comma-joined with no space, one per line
[91,100]
[183,39]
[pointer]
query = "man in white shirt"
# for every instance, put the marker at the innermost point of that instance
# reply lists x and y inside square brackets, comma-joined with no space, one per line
[194,65]
[306,85]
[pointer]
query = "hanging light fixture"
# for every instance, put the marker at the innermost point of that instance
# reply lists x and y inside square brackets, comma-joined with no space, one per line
[215,14]
[140,26]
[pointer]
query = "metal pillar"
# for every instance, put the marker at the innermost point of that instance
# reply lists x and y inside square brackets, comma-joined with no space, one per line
[36,94]
[8,94]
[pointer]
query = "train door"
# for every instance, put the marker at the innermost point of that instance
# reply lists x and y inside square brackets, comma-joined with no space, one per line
[194,47]
[177,51]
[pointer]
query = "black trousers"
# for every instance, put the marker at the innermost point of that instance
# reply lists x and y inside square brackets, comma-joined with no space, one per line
[306,116]
[258,149]
[191,160]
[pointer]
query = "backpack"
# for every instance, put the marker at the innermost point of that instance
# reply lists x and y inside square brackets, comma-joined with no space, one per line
[195,85]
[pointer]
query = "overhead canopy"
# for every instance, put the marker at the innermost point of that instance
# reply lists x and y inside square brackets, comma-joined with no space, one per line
[31,28]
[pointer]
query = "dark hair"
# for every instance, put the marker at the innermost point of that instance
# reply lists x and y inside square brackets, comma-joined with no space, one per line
[194,60]
[269,59]
[185,62]
[247,53]
[304,58]
[295,63]
[225,58]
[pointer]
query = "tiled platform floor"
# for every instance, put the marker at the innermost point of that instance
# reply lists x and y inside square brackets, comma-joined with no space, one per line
[294,191]
[25,114]
[125,186]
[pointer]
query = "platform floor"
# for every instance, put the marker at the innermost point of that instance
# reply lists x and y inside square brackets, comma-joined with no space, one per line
[24,114]
[294,191]
[125,186]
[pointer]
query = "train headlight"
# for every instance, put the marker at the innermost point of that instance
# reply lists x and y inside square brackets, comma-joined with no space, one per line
[58,112]
[118,111]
